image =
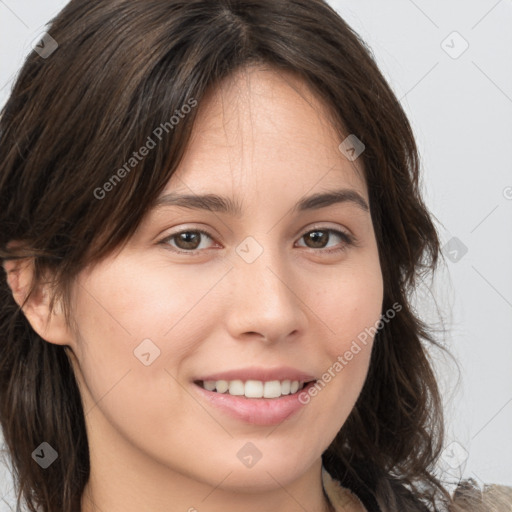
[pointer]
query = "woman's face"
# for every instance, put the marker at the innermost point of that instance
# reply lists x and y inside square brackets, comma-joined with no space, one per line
[278,289]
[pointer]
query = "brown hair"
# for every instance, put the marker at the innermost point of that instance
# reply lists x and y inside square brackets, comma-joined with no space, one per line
[123,68]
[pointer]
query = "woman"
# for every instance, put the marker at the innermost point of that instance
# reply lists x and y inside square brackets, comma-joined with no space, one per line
[210,224]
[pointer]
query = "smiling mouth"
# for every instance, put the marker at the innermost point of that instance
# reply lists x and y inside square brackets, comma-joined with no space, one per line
[254,388]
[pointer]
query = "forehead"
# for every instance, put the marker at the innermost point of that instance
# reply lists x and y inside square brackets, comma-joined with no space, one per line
[265,129]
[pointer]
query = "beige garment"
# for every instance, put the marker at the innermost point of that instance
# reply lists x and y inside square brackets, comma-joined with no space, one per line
[493,498]
[341,499]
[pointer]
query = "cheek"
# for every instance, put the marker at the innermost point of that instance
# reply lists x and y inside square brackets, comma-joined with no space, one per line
[351,306]
[133,334]
[133,304]
[141,322]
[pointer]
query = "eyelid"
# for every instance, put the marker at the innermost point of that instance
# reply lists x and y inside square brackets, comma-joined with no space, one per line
[169,236]
[348,238]
[184,228]
[325,226]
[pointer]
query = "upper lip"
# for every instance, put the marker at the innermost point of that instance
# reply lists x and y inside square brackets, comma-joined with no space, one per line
[260,373]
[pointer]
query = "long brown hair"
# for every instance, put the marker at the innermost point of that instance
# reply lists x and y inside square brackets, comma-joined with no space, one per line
[122,69]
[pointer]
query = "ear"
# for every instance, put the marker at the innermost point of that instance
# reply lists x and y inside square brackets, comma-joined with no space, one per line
[51,326]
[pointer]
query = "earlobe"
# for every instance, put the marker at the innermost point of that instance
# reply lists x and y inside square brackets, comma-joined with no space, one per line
[50,325]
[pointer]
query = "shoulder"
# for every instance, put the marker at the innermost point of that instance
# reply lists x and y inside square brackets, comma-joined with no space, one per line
[492,498]
[467,497]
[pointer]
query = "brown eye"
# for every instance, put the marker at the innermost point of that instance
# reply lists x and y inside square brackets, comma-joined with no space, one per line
[321,238]
[316,239]
[186,241]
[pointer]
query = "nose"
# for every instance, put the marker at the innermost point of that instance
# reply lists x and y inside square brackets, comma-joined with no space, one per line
[267,301]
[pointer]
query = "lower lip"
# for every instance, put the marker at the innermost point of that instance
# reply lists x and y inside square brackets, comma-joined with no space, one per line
[256,411]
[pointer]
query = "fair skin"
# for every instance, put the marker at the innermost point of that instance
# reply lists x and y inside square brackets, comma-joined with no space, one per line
[155,442]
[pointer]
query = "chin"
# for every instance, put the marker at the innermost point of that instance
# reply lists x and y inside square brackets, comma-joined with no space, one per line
[275,469]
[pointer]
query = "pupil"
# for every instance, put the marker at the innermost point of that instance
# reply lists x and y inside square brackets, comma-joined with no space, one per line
[189,240]
[318,237]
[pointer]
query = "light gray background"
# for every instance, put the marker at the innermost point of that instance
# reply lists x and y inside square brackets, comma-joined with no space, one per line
[460,106]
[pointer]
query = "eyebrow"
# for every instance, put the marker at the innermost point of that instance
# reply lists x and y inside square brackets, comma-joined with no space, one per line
[216,203]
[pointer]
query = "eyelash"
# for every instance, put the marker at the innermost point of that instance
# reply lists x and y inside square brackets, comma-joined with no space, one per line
[348,240]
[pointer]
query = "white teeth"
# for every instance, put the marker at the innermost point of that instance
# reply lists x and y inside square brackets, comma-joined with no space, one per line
[254,388]
[272,389]
[236,387]
[221,386]
[209,385]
